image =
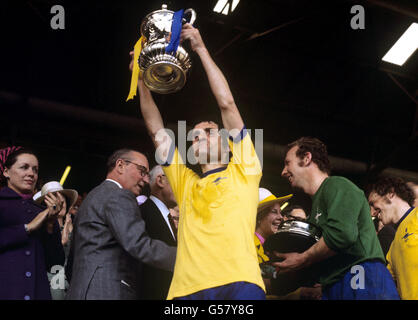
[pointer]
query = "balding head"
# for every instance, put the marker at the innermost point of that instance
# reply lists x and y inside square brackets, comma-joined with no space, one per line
[154,173]
[160,187]
[130,168]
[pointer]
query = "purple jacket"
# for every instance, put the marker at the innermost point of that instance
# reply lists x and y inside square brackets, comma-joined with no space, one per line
[25,259]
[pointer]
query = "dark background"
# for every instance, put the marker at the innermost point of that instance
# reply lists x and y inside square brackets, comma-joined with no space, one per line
[62,92]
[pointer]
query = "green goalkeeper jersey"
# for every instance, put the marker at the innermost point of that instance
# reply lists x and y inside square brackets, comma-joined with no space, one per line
[342,212]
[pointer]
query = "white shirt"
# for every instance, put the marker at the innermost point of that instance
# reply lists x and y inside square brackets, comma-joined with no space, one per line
[164,211]
[118,184]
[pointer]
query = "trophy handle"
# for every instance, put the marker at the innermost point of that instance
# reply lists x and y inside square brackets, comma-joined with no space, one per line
[193,16]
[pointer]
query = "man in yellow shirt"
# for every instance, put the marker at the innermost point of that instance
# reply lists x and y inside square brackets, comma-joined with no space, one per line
[392,200]
[216,256]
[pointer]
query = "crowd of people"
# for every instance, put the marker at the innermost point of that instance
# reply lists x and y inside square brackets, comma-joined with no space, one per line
[201,236]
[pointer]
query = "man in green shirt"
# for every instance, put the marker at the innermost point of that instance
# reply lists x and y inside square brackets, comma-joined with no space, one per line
[350,257]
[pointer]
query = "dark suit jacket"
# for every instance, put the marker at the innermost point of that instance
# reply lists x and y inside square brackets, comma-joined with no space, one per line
[386,236]
[156,281]
[25,259]
[111,245]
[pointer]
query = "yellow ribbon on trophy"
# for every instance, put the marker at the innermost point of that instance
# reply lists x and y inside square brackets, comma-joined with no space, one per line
[135,70]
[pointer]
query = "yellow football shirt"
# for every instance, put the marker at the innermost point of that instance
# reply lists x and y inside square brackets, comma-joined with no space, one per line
[402,257]
[217,222]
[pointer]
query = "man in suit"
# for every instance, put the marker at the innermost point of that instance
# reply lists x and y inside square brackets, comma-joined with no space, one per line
[156,214]
[110,241]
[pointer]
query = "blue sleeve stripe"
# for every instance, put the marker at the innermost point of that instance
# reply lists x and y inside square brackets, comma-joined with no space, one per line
[239,137]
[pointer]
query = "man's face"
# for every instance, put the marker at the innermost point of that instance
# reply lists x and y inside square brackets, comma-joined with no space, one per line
[207,142]
[293,170]
[167,191]
[134,167]
[296,213]
[382,208]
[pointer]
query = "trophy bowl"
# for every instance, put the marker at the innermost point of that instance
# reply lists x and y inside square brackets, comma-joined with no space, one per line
[293,236]
[163,72]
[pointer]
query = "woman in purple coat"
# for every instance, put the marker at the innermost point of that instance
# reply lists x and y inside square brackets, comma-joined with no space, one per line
[30,239]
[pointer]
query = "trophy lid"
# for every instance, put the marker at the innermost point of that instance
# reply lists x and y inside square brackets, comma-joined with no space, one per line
[159,19]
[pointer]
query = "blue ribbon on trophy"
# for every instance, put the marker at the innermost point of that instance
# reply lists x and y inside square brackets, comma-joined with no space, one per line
[176,27]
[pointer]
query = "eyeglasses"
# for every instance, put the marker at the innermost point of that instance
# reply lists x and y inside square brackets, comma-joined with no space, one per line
[140,168]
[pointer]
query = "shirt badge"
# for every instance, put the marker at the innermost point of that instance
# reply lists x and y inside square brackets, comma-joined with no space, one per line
[218,180]
[406,236]
[318,214]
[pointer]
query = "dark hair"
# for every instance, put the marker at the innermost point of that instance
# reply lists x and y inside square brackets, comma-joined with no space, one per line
[318,150]
[289,209]
[11,160]
[207,121]
[118,154]
[390,184]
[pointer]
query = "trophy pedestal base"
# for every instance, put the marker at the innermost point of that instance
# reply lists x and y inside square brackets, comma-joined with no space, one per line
[164,77]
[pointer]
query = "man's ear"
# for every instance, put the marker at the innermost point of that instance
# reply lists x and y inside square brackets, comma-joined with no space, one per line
[160,181]
[119,166]
[390,195]
[307,159]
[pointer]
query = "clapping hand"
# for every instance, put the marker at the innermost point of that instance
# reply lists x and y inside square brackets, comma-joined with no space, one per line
[63,211]
[54,204]
[68,227]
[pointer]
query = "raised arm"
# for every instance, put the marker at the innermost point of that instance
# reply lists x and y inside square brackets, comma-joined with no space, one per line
[150,112]
[152,118]
[231,117]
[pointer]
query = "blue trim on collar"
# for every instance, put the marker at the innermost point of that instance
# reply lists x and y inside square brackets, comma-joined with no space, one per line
[403,218]
[213,171]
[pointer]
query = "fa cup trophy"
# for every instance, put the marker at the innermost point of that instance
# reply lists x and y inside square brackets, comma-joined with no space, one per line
[161,71]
